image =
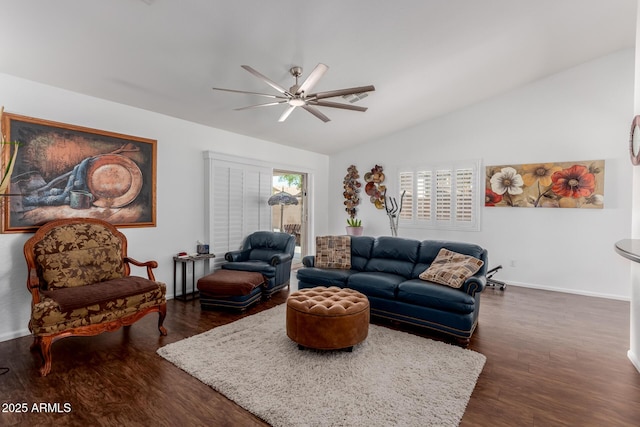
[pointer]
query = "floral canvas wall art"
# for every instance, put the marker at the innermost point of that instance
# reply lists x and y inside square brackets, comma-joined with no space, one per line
[546,185]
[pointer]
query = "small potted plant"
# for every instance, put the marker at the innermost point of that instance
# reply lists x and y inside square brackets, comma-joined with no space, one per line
[354,227]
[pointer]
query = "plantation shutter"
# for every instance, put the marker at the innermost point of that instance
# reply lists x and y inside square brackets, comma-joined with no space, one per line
[423,201]
[221,218]
[464,195]
[406,184]
[237,195]
[235,224]
[441,196]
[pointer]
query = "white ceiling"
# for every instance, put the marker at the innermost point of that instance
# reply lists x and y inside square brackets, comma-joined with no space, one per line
[426,58]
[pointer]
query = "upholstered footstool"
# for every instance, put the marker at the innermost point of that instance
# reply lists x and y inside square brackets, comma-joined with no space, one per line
[327,318]
[230,289]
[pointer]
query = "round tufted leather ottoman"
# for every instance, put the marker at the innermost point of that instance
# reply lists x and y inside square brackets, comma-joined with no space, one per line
[327,318]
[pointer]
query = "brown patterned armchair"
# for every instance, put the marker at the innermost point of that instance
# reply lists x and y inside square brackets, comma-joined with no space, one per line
[80,283]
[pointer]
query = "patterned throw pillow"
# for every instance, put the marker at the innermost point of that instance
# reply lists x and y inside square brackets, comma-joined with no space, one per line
[333,252]
[451,268]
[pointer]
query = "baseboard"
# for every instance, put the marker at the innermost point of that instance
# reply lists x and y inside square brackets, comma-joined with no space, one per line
[634,359]
[14,334]
[566,291]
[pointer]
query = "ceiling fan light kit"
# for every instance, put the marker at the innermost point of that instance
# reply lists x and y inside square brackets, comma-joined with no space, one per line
[300,96]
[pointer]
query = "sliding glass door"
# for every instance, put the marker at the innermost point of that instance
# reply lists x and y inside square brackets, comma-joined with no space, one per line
[289,208]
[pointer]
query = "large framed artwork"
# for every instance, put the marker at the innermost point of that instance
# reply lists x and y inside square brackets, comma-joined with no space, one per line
[65,171]
[546,185]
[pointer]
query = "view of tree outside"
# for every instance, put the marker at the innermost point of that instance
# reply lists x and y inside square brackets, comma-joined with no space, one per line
[289,215]
[292,180]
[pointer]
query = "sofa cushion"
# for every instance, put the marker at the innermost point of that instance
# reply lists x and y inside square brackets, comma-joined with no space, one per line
[396,248]
[98,293]
[263,267]
[451,268]
[324,277]
[270,241]
[263,245]
[262,254]
[77,255]
[381,285]
[361,247]
[48,318]
[432,295]
[333,252]
[393,255]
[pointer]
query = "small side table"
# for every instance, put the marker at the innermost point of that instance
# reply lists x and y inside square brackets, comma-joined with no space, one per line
[184,261]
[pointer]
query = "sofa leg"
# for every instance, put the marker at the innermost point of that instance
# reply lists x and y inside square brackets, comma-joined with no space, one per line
[163,314]
[463,342]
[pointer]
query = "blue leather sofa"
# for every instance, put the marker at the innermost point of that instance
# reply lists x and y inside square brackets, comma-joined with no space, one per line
[386,270]
[266,252]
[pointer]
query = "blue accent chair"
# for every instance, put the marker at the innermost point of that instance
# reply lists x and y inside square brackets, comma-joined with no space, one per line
[266,252]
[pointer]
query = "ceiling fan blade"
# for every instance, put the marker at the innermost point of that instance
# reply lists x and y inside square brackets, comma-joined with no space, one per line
[313,78]
[267,80]
[268,104]
[286,113]
[341,92]
[316,113]
[338,105]
[250,93]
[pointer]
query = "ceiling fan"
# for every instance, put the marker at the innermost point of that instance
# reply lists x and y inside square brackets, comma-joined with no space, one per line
[300,96]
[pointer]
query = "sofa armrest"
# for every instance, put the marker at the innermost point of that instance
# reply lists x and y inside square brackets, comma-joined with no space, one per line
[237,256]
[280,259]
[474,284]
[148,264]
[309,261]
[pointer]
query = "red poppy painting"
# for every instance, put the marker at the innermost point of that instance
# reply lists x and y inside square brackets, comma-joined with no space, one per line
[546,185]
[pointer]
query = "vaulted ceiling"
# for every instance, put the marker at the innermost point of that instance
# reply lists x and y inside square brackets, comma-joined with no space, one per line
[426,58]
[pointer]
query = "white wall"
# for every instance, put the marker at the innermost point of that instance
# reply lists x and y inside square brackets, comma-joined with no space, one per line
[580,114]
[180,181]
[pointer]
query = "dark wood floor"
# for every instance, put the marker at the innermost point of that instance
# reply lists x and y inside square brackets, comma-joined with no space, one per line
[552,360]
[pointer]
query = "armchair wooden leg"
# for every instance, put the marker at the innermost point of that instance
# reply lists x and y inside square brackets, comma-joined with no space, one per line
[43,345]
[163,314]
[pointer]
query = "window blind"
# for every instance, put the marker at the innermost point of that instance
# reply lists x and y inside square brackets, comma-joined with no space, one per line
[464,195]
[237,200]
[406,185]
[423,190]
[441,196]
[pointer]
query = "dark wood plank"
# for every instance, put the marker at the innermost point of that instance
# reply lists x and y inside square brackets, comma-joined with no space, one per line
[553,359]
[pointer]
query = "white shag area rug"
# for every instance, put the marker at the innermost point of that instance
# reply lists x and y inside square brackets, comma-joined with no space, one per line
[391,379]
